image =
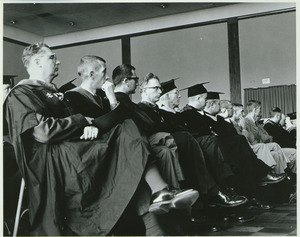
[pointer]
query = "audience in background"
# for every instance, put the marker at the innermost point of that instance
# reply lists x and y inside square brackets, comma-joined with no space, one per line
[275,127]
[257,134]
[269,153]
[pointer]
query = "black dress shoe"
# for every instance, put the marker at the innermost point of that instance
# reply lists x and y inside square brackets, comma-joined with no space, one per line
[255,204]
[166,199]
[272,179]
[225,199]
[231,192]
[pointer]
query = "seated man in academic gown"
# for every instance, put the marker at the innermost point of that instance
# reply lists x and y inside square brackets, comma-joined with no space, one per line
[162,144]
[152,125]
[77,184]
[279,134]
[200,119]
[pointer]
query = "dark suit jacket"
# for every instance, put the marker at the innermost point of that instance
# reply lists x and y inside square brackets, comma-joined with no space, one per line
[133,111]
[224,128]
[85,103]
[280,135]
[154,113]
[202,124]
[174,120]
[196,123]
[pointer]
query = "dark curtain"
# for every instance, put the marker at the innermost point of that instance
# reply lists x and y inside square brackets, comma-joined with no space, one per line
[283,97]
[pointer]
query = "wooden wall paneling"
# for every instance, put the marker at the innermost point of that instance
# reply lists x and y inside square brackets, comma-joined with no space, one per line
[126,50]
[234,60]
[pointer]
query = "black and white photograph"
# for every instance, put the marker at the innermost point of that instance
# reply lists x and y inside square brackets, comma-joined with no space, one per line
[149,118]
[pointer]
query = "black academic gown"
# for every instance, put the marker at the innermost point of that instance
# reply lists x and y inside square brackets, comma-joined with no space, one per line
[191,156]
[237,153]
[163,146]
[82,185]
[132,110]
[219,169]
[280,135]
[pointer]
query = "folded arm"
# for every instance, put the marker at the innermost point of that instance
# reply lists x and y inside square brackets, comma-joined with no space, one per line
[51,130]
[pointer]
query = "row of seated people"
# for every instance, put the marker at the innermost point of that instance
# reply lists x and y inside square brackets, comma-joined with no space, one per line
[272,143]
[281,127]
[91,157]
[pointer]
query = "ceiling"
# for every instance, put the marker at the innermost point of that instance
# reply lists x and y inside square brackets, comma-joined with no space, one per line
[60,18]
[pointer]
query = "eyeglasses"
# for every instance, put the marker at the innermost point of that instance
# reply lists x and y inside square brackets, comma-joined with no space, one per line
[53,57]
[153,87]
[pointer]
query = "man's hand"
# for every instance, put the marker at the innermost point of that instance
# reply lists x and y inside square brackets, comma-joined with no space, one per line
[108,87]
[242,123]
[89,133]
[289,129]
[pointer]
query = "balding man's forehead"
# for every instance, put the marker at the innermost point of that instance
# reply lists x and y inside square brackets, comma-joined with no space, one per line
[153,81]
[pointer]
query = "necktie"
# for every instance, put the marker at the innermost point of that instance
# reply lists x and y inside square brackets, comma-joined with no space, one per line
[98,100]
[156,109]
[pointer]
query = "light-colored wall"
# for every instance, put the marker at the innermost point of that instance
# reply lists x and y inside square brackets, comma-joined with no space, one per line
[268,50]
[12,52]
[69,58]
[196,55]
[12,63]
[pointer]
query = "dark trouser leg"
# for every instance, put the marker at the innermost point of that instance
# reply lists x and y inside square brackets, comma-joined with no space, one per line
[247,168]
[166,163]
[192,162]
[214,158]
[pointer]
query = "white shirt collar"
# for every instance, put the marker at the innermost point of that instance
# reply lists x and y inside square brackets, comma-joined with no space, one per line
[213,117]
[166,108]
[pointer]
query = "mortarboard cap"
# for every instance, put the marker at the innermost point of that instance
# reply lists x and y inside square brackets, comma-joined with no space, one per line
[292,115]
[9,79]
[196,89]
[212,95]
[168,86]
[68,86]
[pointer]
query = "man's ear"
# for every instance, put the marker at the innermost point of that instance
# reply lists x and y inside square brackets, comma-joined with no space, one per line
[92,73]
[37,61]
[223,110]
